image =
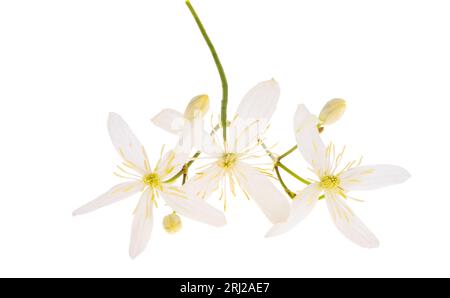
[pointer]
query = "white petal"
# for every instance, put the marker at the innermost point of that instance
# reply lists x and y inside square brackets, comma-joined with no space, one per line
[141,228]
[268,198]
[260,102]
[115,194]
[127,144]
[308,139]
[171,163]
[372,177]
[211,143]
[301,206]
[191,135]
[203,184]
[169,120]
[253,115]
[192,207]
[348,223]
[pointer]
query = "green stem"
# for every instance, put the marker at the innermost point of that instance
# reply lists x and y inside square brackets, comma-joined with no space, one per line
[183,171]
[287,153]
[286,189]
[290,172]
[223,111]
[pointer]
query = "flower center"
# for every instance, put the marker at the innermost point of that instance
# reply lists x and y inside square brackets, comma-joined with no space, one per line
[152,180]
[228,160]
[330,182]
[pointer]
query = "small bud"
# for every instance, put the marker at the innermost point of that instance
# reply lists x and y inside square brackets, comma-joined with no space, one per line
[172,223]
[197,107]
[332,111]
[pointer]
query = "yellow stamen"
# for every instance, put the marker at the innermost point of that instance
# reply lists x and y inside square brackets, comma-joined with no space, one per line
[153,181]
[228,160]
[330,182]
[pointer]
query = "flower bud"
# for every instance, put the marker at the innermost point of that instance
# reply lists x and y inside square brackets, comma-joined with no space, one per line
[172,223]
[197,107]
[332,111]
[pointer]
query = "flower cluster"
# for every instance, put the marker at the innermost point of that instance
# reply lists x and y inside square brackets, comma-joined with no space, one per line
[230,155]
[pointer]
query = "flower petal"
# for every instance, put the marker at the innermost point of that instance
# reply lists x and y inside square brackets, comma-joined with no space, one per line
[203,184]
[169,120]
[141,228]
[308,139]
[192,207]
[127,144]
[253,115]
[115,194]
[260,102]
[372,177]
[348,223]
[301,206]
[171,163]
[268,198]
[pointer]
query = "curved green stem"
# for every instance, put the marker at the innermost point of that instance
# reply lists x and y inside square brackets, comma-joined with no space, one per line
[184,170]
[289,192]
[223,78]
[292,173]
[287,153]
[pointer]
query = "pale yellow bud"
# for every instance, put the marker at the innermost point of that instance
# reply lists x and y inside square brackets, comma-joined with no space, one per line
[332,111]
[172,223]
[197,107]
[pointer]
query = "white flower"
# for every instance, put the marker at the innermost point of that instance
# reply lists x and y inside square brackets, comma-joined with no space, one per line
[334,183]
[230,159]
[188,126]
[141,178]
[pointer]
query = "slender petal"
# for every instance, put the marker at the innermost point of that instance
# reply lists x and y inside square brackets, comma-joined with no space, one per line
[127,144]
[260,102]
[141,228]
[253,115]
[348,223]
[115,194]
[169,120]
[268,198]
[211,143]
[372,177]
[301,206]
[171,163]
[203,184]
[308,139]
[192,207]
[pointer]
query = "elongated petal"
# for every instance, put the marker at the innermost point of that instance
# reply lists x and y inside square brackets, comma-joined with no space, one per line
[348,223]
[372,177]
[169,120]
[141,228]
[211,143]
[253,115]
[192,207]
[126,143]
[115,194]
[268,198]
[308,139]
[206,182]
[260,102]
[171,163]
[301,206]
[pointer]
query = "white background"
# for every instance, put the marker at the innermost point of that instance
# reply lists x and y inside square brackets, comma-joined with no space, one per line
[65,64]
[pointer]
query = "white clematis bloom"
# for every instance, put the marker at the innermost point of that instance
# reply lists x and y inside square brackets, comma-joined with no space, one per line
[141,178]
[230,159]
[334,183]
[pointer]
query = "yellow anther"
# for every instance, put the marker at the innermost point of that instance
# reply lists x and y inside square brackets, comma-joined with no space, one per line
[330,182]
